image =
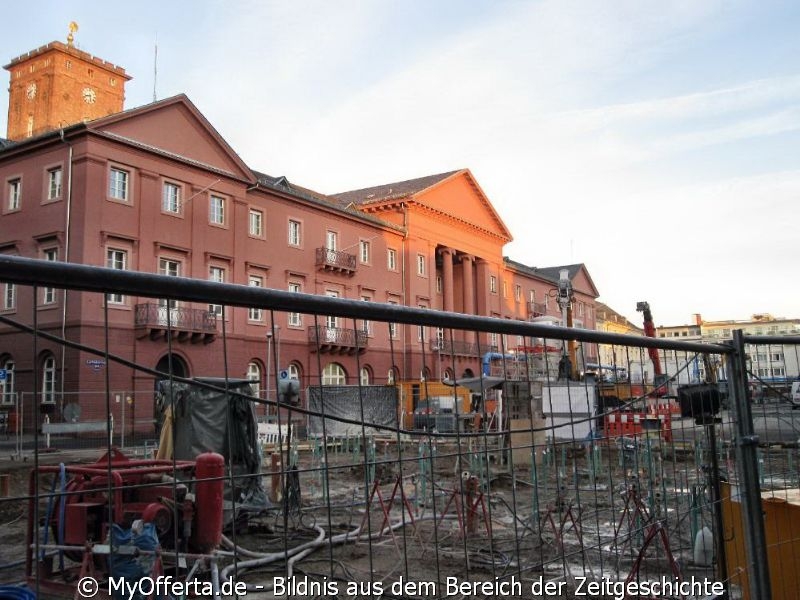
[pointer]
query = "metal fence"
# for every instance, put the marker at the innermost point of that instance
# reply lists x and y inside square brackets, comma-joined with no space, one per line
[527,479]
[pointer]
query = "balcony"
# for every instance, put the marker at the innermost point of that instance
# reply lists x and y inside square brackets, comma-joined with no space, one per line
[337,340]
[460,348]
[187,324]
[336,261]
[536,309]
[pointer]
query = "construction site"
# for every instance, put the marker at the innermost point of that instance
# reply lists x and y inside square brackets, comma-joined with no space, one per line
[543,476]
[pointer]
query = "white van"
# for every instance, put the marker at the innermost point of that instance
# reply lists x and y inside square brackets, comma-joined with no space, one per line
[795,393]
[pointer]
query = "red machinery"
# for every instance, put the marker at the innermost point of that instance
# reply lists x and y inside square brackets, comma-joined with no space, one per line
[659,378]
[84,502]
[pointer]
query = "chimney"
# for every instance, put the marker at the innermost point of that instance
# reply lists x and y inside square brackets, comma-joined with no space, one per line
[698,320]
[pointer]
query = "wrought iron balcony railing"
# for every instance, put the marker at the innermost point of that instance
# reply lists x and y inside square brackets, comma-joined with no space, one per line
[181,319]
[459,348]
[337,339]
[536,309]
[336,260]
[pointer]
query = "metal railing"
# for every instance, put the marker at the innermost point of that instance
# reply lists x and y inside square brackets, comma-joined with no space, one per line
[337,336]
[535,481]
[336,260]
[460,347]
[152,314]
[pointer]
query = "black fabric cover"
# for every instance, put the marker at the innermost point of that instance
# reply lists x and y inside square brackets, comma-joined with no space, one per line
[204,421]
[344,402]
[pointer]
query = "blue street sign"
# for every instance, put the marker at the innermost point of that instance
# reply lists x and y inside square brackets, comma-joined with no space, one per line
[3,374]
[284,374]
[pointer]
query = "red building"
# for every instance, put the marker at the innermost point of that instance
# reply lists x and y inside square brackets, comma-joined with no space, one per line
[156,189]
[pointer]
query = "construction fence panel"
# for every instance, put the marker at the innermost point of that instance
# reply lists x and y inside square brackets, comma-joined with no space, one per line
[468,468]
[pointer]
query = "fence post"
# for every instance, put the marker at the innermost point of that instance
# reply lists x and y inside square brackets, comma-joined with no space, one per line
[747,462]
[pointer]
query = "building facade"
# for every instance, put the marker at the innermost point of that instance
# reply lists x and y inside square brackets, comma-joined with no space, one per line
[156,189]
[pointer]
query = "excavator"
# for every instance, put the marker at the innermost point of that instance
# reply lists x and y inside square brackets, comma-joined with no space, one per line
[660,379]
[623,404]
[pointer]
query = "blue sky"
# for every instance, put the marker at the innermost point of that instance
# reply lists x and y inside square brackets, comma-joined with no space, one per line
[657,142]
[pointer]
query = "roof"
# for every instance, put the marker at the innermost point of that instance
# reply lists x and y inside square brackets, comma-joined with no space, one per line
[283,185]
[390,191]
[4,143]
[605,313]
[554,273]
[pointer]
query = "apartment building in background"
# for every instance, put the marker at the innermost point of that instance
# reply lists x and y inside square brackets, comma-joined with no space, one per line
[157,189]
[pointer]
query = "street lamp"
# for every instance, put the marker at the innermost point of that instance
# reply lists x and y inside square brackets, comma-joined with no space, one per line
[277,330]
[269,364]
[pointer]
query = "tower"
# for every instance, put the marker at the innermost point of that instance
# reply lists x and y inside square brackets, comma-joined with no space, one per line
[58,85]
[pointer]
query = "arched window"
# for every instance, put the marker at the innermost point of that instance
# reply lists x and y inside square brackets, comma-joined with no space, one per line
[254,375]
[7,385]
[334,374]
[365,376]
[448,374]
[294,371]
[49,380]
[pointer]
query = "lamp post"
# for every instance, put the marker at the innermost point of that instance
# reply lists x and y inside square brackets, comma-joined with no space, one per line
[269,364]
[277,330]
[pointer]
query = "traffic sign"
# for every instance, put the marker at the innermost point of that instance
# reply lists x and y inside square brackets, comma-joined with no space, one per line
[284,374]
[3,374]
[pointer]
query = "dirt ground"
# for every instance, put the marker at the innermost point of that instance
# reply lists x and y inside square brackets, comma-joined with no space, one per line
[584,528]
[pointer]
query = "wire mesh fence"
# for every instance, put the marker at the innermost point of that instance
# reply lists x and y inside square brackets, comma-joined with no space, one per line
[424,455]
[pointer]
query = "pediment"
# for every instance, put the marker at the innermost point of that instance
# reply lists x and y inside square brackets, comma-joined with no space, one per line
[176,126]
[460,197]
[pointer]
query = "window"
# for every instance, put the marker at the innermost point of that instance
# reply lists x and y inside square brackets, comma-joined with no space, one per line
[49,380]
[54,183]
[118,184]
[391,259]
[439,284]
[7,385]
[294,372]
[216,274]
[167,266]
[392,326]
[168,313]
[14,194]
[421,265]
[518,293]
[255,314]
[421,328]
[254,375]
[492,284]
[364,251]
[366,326]
[331,322]
[364,376]
[331,240]
[295,319]
[216,213]
[171,199]
[505,289]
[256,223]
[333,374]
[49,294]
[294,233]
[116,259]
[9,296]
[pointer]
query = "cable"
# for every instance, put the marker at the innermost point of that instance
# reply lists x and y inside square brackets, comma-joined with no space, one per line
[16,592]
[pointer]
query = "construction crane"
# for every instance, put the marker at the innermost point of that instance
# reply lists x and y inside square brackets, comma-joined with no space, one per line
[659,378]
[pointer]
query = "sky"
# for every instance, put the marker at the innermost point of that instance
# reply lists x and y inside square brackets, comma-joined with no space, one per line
[658,142]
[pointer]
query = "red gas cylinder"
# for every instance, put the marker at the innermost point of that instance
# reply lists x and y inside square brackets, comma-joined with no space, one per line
[209,470]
